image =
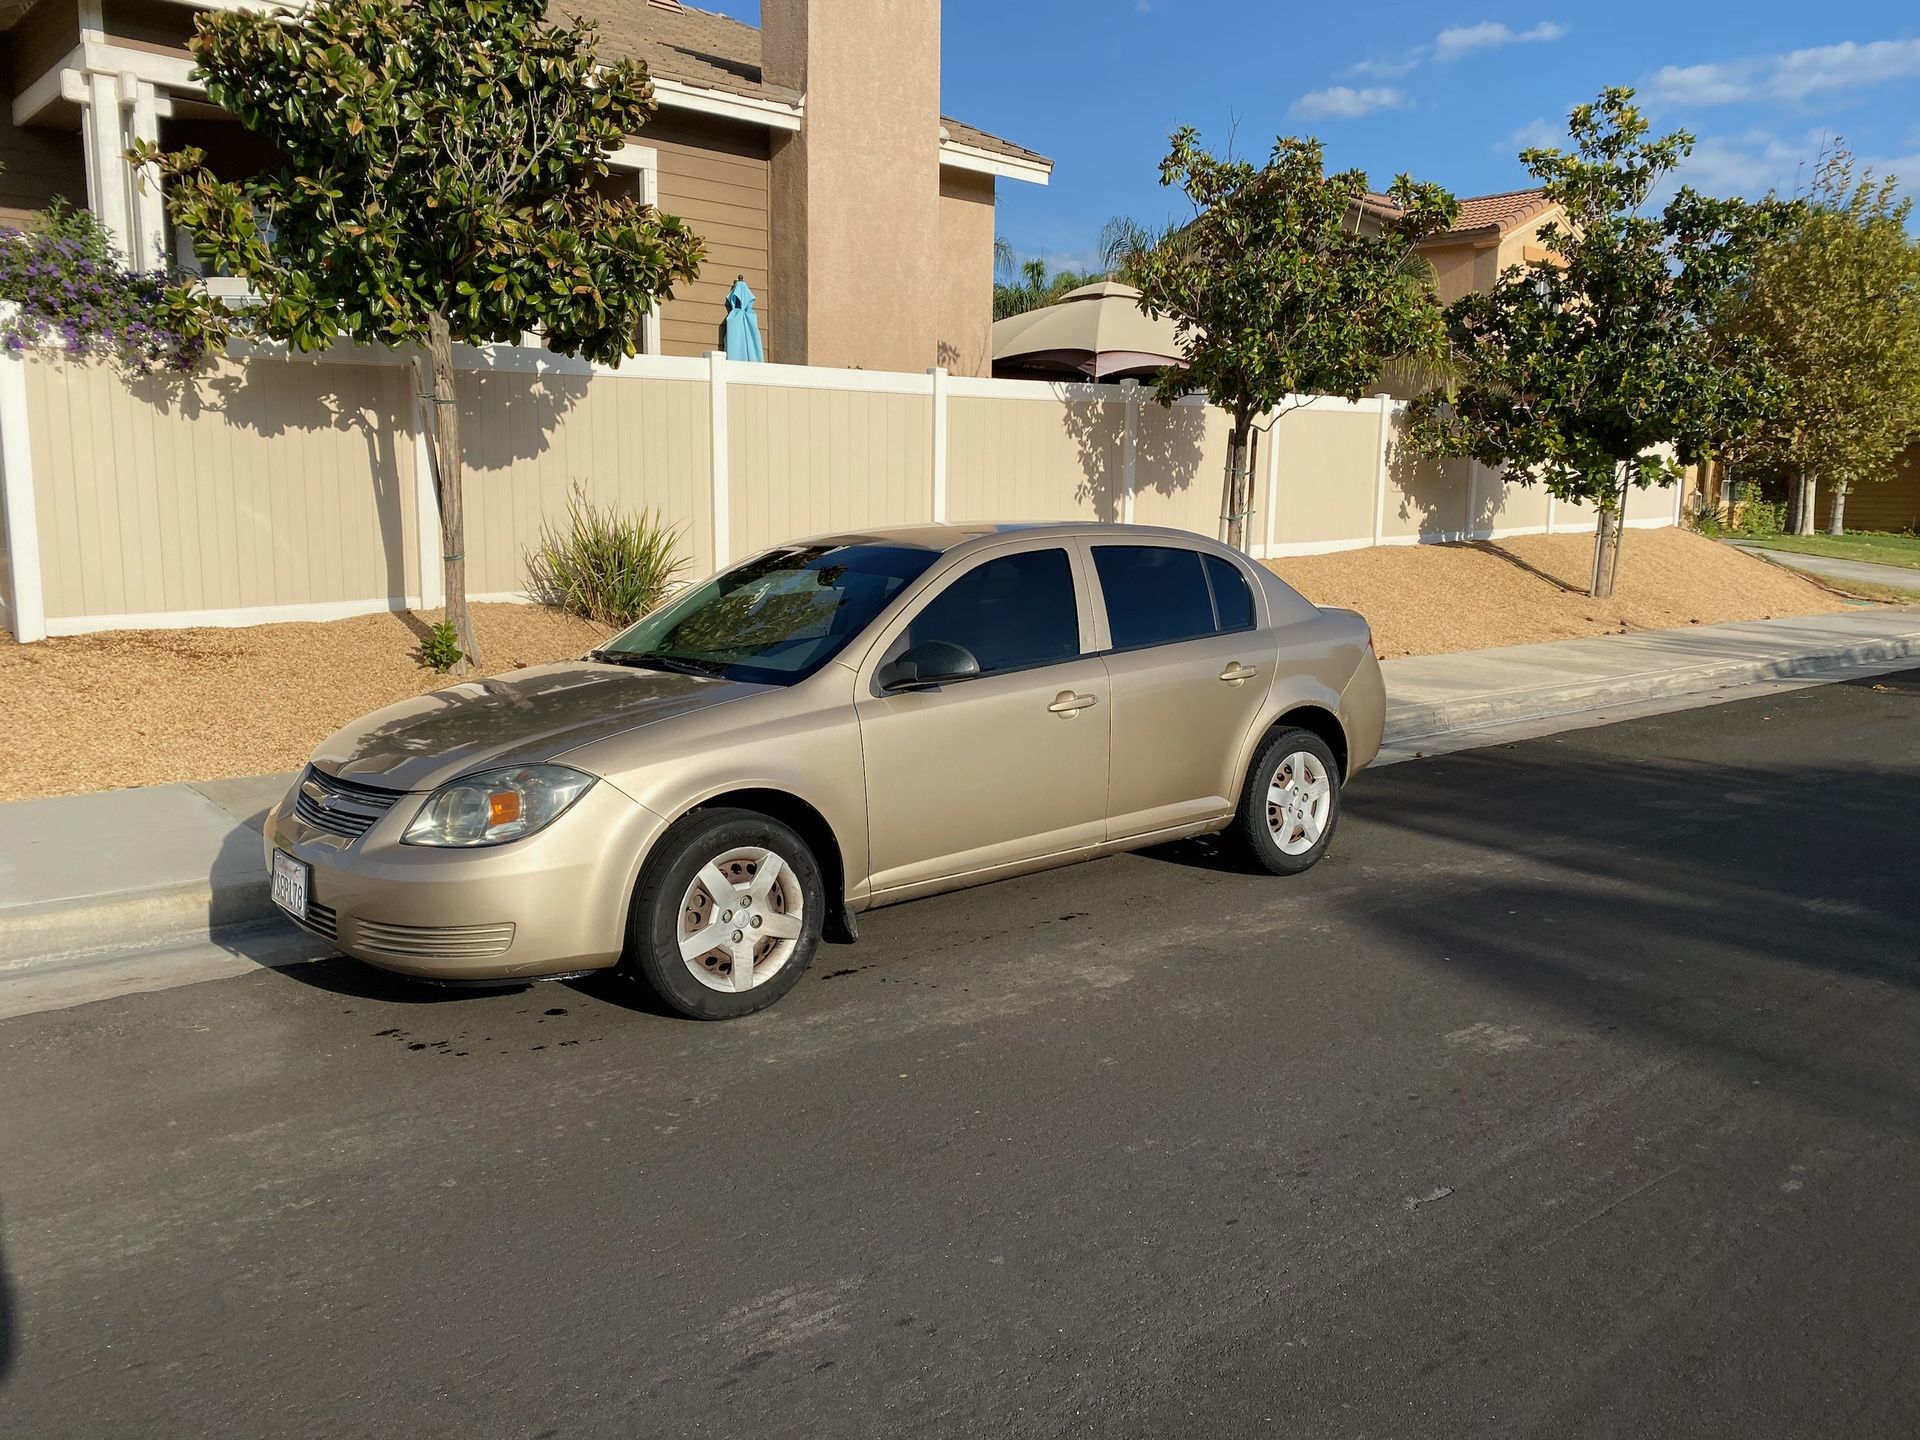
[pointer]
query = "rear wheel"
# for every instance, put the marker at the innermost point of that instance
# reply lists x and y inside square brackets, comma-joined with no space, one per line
[1290,803]
[727,915]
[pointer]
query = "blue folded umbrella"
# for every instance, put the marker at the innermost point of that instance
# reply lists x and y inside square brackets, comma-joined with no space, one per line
[743,326]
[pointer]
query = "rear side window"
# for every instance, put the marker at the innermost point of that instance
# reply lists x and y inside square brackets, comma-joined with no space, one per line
[1232,600]
[1155,594]
[1011,612]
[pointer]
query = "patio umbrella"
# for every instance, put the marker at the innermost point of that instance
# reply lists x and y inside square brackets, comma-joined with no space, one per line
[1097,332]
[743,326]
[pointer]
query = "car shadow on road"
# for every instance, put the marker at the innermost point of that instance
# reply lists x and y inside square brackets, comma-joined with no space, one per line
[1217,853]
[9,1312]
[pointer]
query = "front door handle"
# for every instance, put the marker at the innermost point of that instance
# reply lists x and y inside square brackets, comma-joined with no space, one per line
[1068,703]
[1237,672]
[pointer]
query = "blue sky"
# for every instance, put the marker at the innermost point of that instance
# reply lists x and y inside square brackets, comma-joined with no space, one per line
[1449,94]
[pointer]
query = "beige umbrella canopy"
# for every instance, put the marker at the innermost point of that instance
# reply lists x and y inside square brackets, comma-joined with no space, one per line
[1097,332]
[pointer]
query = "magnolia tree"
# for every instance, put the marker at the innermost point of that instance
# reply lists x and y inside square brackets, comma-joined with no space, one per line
[1835,302]
[1278,289]
[1597,368]
[443,180]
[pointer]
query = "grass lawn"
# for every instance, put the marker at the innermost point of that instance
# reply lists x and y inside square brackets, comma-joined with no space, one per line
[1876,546]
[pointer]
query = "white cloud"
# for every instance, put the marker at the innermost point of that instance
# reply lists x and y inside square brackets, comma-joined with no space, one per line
[1457,40]
[1793,75]
[1452,43]
[1535,134]
[1346,103]
[1756,161]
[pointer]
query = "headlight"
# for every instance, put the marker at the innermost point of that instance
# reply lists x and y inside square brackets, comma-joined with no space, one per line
[496,806]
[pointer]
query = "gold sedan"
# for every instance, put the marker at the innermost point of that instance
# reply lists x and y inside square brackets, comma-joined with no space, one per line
[832,725]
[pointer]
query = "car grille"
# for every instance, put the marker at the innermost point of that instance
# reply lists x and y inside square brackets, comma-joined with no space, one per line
[322,921]
[432,942]
[340,807]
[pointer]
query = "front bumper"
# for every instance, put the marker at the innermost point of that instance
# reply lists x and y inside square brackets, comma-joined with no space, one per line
[554,903]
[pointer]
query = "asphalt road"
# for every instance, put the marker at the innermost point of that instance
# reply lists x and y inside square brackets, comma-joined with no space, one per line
[1576,1094]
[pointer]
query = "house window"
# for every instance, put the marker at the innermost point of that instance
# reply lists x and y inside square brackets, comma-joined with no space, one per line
[637,167]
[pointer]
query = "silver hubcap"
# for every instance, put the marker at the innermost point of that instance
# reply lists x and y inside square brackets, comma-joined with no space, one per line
[740,919]
[1299,800]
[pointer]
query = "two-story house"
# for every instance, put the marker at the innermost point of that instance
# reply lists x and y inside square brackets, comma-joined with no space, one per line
[810,154]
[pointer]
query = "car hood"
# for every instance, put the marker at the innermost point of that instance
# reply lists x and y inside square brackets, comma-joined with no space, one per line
[521,718]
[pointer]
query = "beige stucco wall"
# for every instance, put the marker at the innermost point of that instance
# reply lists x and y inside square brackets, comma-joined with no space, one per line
[964,337]
[856,195]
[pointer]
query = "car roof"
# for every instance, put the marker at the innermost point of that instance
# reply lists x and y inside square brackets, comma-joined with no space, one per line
[954,535]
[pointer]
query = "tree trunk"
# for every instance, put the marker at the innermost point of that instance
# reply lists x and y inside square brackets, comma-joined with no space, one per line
[1807,495]
[1236,490]
[447,482]
[1607,531]
[1836,524]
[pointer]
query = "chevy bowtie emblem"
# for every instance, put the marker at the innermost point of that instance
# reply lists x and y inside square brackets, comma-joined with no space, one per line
[317,795]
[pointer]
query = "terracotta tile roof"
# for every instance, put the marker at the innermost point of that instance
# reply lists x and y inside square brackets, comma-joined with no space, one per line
[698,47]
[1479,214]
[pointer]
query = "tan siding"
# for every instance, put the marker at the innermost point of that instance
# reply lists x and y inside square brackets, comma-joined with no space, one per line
[36,163]
[149,24]
[714,177]
[42,38]
[1890,504]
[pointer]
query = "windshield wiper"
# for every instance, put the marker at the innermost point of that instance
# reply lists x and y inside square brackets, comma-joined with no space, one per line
[643,660]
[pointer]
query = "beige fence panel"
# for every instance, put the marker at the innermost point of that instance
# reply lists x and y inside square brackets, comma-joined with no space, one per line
[271,488]
[265,484]
[805,461]
[1035,452]
[1327,464]
[631,443]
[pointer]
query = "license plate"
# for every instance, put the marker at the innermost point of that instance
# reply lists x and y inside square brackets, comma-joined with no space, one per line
[290,884]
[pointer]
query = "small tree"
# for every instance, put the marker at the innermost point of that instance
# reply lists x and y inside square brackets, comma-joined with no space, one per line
[1593,370]
[1835,303]
[1277,290]
[443,180]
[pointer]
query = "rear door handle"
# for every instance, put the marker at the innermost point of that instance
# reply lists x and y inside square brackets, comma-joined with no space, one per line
[1237,672]
[1068,703]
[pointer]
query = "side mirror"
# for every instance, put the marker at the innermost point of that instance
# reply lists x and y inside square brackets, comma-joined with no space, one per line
[932,662]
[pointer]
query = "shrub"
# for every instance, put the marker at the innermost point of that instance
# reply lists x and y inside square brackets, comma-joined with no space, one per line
[1762,517]
[73,291]
[441,647]
[604,566]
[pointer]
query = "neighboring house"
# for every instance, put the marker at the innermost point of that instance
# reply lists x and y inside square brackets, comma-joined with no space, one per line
[1492,233]
[810,154]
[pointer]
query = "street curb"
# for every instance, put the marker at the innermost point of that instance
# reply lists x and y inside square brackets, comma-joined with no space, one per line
[1426,721]
[167,916]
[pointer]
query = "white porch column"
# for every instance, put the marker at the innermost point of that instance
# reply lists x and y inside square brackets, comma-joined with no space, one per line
[149,220]
[109,177]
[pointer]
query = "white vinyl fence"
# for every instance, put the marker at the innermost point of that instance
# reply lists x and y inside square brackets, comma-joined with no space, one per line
[277,488]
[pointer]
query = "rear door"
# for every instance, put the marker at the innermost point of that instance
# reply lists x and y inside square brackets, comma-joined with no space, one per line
[1190,668]
[1004,769]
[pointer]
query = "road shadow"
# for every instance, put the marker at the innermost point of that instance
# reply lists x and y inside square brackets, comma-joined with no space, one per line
[1657,879]
[9,1311]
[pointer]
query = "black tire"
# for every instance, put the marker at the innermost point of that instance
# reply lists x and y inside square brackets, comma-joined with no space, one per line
[655,919]
[1253,824]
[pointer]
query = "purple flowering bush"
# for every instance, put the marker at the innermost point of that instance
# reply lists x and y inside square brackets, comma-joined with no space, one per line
[72,290]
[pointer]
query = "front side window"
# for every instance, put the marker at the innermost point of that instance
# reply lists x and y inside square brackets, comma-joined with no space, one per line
[1010,612]
[1160,594]
[775,619]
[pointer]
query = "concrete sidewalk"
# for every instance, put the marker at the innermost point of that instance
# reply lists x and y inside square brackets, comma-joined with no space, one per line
[1828,567]
[175,865]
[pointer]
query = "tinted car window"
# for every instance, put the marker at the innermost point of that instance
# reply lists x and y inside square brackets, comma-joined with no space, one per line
[1155,594]
[1013,611]
[1232,600]
[775,619]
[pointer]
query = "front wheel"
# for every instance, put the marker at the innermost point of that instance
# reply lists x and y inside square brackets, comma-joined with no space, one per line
[727,915]
[1290,803]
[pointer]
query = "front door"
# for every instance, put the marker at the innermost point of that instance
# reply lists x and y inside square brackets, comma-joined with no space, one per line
[1001,770]
[1190,674]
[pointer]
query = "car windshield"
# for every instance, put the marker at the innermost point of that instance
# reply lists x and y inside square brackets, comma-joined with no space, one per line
[776,618]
